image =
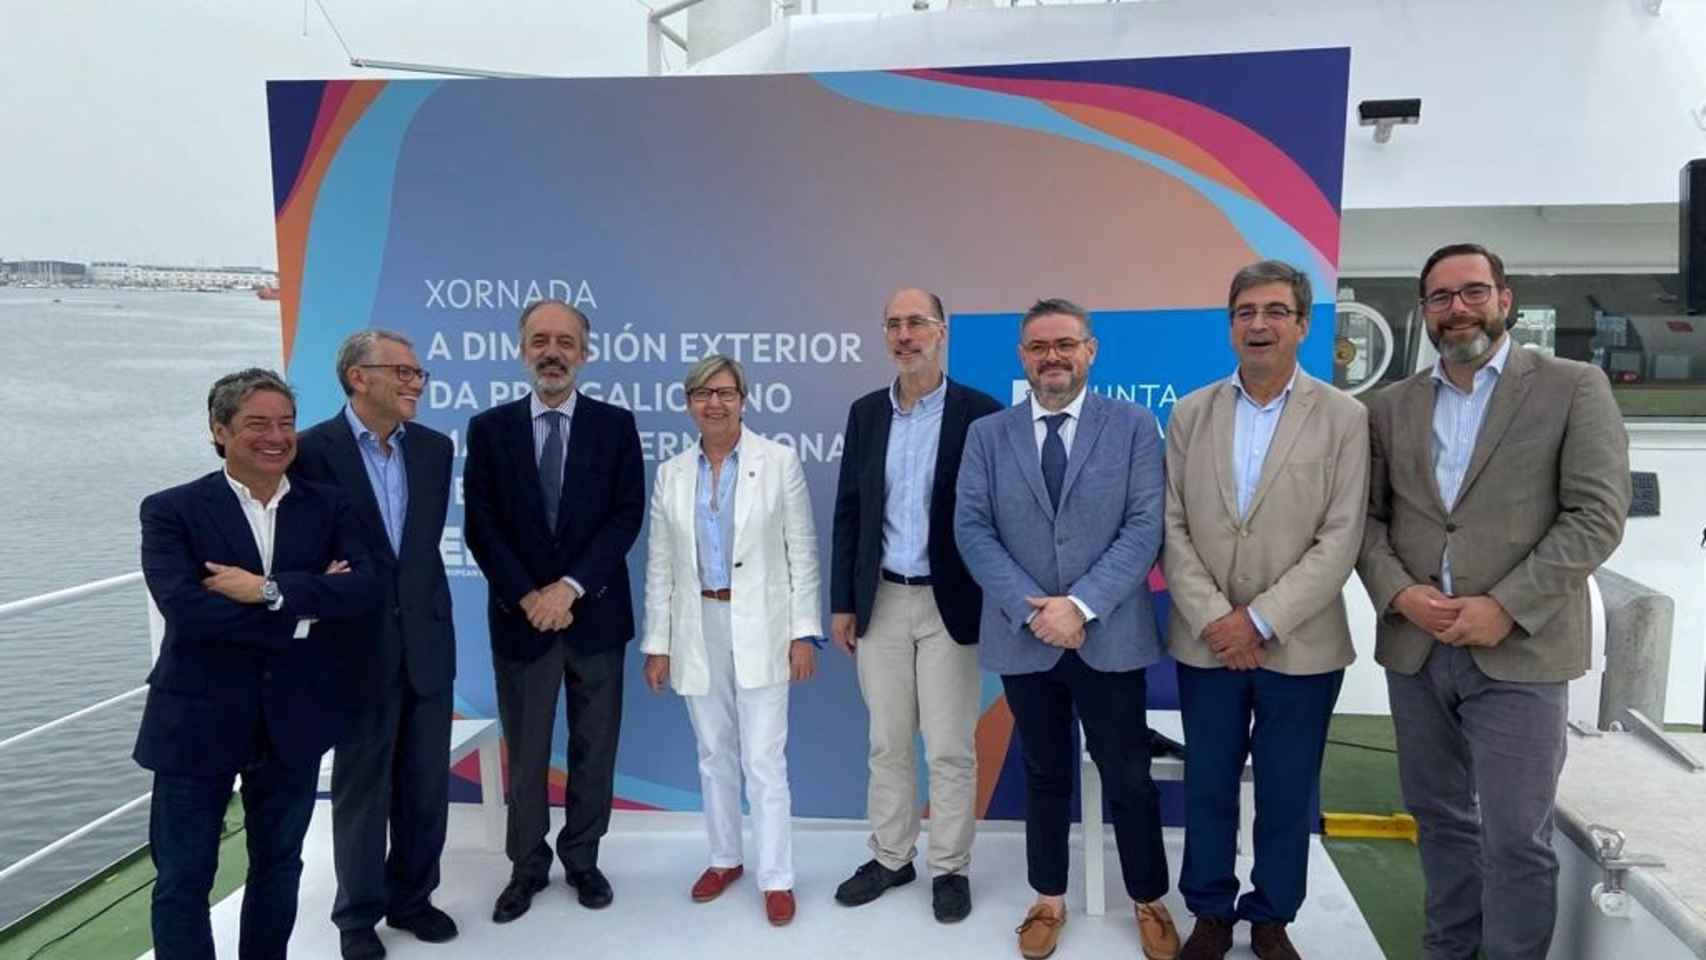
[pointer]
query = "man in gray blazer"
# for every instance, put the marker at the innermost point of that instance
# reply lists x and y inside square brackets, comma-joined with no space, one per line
[1059,521]
[1499,480]
[1267,488]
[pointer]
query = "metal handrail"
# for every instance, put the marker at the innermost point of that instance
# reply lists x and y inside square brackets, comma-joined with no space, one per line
[78,715]
[53,599]
[74,836]
[56,598]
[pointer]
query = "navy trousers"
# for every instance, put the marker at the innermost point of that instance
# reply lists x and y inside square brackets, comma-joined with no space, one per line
[185,820]
[1280,723]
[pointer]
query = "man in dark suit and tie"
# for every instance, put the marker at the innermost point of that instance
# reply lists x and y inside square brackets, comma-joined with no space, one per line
[555,497]
[906,609]
[390,775]
[246,569]
[1059,520]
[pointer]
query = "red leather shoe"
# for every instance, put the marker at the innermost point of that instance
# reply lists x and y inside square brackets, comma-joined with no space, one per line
[779,907]
[714,881]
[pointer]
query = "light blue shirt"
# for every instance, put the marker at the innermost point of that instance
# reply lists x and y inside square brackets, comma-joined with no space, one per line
[542,431]
[1253,429]
[908,473]
[1457,422]
[714,521]
[386,474]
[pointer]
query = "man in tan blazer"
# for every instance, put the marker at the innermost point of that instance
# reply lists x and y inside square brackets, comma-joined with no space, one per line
[1267,488]
[1499,480]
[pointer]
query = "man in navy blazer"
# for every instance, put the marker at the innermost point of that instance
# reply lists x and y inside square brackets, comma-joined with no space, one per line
[555,492]
[246,568]
[1059,520]
[390,775]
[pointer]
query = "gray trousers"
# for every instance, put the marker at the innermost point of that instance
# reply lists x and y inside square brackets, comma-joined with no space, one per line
[1478,760]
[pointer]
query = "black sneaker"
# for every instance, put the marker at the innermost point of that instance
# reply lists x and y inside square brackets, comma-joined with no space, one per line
[950,897]
[869,881]
[362,944]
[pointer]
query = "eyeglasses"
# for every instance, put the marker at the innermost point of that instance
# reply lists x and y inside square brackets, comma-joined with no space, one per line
[404,372]
[913,324]
[1274,312]
[1065,346]
[1473,294]
[704,394]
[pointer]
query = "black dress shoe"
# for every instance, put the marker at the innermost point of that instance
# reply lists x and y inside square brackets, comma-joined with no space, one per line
[429,924]
[516,898]
[360,944]
[869,881]
[591,888]
[950,897]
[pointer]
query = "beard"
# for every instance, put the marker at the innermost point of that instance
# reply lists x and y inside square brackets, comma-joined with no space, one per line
[1464,351]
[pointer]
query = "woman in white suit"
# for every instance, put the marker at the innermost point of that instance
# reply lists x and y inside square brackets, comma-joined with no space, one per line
[731,618]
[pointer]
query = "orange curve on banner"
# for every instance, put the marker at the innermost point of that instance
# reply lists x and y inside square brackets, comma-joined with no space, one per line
[298,212]
[994,733]
[1154,138]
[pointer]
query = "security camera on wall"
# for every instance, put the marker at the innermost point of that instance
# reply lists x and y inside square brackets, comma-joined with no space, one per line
[1383,115]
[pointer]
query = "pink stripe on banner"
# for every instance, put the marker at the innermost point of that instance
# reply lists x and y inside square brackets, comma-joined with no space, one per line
[1267,170]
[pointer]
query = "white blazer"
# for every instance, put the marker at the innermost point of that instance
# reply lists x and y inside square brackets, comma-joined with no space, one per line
[773,576]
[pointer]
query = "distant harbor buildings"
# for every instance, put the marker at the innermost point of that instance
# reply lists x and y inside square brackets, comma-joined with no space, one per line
[117,273]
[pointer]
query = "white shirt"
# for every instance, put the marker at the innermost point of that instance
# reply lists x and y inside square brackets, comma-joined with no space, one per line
[263,523]
[1456,425]
[1068,430]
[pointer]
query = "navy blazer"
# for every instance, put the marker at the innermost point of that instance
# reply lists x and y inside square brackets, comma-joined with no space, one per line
[860,499]
[598,520]
[411,631]
[1097,547]
[231,676]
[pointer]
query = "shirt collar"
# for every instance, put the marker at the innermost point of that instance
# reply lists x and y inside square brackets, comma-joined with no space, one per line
[734,455]
[929,403]
[363,432]
[1495,366]
[1073,410]
[1238,385]
[244,496]
[567,408]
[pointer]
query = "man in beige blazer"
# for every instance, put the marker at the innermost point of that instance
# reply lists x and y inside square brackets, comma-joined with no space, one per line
[1499,480]
[1267,488]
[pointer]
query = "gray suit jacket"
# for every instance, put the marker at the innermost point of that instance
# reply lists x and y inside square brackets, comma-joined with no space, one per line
[1098,548]
[1542,505]
[1289,558]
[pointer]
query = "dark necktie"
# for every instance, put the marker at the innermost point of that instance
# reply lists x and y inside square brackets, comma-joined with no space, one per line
[551,466]
[1054,458]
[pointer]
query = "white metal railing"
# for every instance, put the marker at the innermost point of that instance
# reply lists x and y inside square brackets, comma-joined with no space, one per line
[58,598]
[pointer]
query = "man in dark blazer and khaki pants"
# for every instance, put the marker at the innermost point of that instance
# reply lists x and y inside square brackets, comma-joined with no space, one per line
[1499,481]
[390,775]
[906,608]
[555,498]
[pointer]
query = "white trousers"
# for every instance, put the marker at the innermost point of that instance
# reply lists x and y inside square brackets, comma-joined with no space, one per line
[739,729]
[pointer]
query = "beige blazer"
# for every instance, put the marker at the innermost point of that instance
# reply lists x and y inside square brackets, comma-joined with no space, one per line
[773,575]
[1542,505]
[1290,557]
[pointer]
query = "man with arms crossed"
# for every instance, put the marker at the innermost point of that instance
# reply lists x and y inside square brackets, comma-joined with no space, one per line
[1267,488]
[390,773]
[555,499]
[906,608]
[1059,520]
[1499,480]
[242,563]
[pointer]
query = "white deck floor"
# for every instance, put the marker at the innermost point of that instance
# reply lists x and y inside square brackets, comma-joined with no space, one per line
[652,859]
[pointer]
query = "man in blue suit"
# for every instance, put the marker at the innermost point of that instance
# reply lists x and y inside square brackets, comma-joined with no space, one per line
[1059,520]
[246,568]
[556,494]
[390,778]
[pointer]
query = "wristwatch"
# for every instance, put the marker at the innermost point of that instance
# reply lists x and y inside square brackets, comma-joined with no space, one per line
[270,594]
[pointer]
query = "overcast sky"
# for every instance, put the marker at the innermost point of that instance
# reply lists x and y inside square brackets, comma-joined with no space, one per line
[138,131]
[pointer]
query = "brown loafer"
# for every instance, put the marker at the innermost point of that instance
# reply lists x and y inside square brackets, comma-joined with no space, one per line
[1040,932]
[1269,942]
[1155,928]
[714,881]
[779,907]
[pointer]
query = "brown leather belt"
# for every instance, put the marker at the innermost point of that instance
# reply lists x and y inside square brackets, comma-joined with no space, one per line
[722,594]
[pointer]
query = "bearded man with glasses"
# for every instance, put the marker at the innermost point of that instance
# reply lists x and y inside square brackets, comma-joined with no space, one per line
[1499,480]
